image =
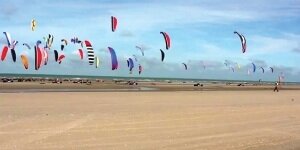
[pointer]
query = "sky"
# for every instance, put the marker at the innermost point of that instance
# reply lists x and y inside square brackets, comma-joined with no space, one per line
[201,34]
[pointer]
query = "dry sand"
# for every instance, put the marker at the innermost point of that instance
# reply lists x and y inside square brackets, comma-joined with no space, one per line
[151,120]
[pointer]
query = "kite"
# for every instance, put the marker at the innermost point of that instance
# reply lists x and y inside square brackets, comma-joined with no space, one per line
[114,59]
[33,24]
[64,43]
[185,66]
[60,58]
[4,53]
[140,48]
[25,44]
[140,69]
[25,61]
[114,23]
[80,53]
[167,39]
[90,52]
[97,62]
[162,55]
[243,41]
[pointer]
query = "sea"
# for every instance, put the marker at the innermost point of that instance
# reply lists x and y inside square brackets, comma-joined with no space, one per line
[145,79]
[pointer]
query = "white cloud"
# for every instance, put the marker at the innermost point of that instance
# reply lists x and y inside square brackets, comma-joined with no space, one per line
[3,40]
[8,9]
[297,49]
[126,33]
[265,44]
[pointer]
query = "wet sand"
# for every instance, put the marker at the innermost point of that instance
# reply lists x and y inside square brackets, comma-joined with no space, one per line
[256,119]
[110,86]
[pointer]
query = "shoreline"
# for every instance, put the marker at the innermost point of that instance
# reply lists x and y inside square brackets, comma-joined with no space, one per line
[52,77]
[111,86]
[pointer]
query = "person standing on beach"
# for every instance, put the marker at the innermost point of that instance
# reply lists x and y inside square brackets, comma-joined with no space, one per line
[276,87]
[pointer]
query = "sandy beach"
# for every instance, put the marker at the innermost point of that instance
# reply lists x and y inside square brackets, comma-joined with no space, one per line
[255,119]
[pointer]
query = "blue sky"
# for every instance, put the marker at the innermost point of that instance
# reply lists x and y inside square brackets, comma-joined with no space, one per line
[201,32]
